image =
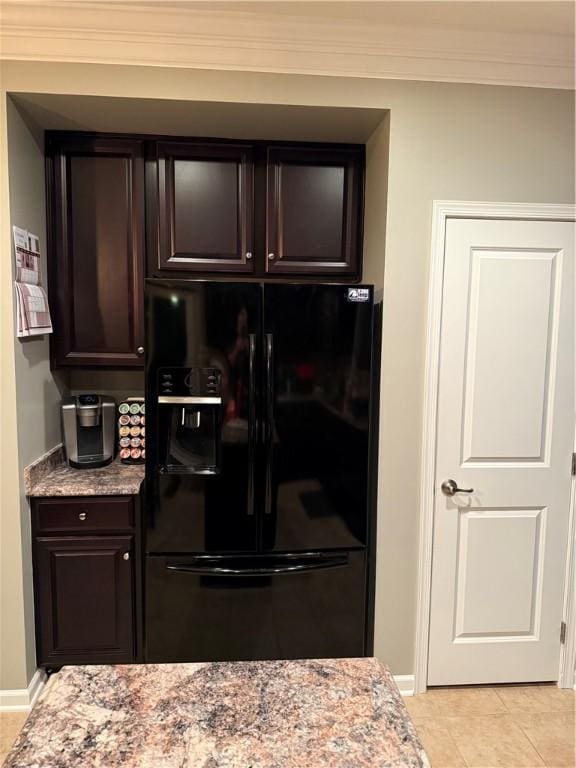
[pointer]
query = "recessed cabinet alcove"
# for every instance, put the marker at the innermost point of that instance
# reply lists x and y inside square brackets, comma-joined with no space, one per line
[186,208]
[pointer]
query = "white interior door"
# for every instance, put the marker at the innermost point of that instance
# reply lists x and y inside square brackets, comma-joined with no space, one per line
[506,430]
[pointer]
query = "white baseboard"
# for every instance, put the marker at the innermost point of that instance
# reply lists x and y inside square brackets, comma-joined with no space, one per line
[22,700]
[405,684]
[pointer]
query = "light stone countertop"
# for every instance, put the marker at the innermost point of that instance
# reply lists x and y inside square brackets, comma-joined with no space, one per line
[328,713]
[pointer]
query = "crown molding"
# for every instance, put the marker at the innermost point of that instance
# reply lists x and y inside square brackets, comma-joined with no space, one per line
[120,33]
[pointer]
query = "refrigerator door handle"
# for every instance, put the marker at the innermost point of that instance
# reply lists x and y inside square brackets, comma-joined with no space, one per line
[186,400]
[269,347]
[297,566]
[252,422]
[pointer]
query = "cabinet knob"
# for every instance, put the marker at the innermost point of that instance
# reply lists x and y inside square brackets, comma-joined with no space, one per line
[126,555]
[248,255]
[271,256]
[140,350]
[82,516]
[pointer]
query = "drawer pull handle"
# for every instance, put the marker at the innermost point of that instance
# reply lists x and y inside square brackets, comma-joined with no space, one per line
[82,516]
[126,555]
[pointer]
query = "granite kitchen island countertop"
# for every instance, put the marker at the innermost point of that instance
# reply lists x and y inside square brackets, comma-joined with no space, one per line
[329,713]
[51,476]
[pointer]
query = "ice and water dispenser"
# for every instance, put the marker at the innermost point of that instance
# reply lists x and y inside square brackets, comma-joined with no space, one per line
[189,420]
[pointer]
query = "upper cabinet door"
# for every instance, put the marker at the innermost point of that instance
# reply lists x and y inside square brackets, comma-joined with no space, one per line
[205,207]
[314,210]
[96,216]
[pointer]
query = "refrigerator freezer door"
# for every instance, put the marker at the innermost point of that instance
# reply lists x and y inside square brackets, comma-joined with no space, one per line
[317,404]
[259,607]
[202,398]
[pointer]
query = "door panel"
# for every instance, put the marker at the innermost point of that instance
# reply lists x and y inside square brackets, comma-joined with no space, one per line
[211,616]
[503,378]
[318,343]
[84,599]
[205,210]
[314,210]
[505,430]
[97,235]
[517,611]
[202,341]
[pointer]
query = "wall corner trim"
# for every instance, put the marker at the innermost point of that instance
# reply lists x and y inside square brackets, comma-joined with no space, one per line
[23,699]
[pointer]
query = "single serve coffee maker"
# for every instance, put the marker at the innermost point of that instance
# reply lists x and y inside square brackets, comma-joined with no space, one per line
[88,423]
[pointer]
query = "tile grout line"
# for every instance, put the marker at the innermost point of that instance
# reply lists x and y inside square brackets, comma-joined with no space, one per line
[453,739]
[501,700]
[444,729]
[541,756]
[506,713]
[527,734]
[495,715]
[466,763]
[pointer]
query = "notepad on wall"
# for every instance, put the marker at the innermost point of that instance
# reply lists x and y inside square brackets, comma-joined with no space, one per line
[32,311]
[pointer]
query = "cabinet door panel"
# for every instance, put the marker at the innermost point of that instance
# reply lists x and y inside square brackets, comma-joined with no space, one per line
[205,207]
[314,210]
[97,256]
[84,599]
[320,191]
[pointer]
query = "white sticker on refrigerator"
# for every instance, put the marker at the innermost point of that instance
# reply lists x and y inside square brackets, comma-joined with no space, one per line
[358,294]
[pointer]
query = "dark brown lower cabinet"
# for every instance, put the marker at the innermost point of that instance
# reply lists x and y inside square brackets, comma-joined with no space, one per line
[84,585]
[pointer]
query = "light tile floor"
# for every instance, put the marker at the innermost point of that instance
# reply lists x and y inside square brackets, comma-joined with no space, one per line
[481,727]
[496,727]
[10,725]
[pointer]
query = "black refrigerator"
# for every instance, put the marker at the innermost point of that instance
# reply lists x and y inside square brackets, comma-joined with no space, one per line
[261,470]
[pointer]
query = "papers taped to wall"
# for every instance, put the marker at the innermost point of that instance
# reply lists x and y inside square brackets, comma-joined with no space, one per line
[32,311]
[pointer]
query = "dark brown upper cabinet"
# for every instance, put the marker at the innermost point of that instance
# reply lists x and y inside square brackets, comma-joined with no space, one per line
[96,251]
[204,207]
[314,211]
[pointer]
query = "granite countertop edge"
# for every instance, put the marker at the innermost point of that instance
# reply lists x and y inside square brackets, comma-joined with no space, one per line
[50,476]
[326,713]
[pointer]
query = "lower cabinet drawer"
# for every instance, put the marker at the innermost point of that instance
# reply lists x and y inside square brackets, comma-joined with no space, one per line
[84,597]
[81,514]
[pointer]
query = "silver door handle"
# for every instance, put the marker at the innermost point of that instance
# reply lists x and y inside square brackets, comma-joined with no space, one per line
[189,400]
[252,425]
[269,428]
[450,487]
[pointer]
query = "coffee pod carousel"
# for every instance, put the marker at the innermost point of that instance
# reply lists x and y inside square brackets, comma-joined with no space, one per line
[132,430]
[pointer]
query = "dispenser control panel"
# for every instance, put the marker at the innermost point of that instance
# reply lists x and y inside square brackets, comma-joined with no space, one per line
[186,382]
[88,399]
